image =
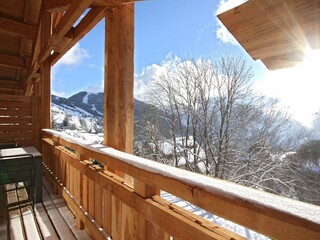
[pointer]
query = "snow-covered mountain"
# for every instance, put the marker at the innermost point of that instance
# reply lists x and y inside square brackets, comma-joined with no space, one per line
[81,115]
[82,111]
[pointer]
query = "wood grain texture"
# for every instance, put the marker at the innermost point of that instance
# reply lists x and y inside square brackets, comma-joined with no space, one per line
[275,32]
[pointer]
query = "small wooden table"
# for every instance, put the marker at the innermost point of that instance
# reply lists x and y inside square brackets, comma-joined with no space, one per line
[8,152]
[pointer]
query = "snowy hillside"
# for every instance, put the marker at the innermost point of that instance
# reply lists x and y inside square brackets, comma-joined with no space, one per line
[78,116]
[82,114]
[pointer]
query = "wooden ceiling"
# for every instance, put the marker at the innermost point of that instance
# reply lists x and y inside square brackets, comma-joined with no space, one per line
[277,32]
[20,28]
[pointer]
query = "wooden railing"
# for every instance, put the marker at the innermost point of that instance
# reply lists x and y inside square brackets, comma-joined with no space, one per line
[106,203]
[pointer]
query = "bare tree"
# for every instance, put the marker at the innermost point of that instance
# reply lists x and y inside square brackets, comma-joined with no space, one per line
[219,127]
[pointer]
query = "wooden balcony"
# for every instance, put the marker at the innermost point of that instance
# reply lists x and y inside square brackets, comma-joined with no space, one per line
[109,201]
[121,200]
[102,203]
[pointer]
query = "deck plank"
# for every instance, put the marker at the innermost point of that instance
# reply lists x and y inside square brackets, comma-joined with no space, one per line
[29,222]
[15,223]
[65,213]
[50,220]
[3,216]
[60,224]
[46,228]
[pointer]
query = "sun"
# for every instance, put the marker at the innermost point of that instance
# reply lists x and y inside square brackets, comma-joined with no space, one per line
[310,66]
[297,88]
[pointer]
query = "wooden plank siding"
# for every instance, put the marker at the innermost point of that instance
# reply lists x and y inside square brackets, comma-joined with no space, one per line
[19,119]
[164,216]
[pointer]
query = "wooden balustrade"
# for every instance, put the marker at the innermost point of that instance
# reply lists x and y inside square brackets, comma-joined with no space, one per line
[95,194]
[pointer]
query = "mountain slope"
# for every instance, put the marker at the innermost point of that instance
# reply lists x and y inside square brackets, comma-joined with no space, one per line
[84,111]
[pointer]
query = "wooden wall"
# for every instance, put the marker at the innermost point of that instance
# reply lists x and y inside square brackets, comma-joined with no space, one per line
[19,120]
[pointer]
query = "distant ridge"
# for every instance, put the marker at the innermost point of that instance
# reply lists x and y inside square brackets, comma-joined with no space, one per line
[84,111]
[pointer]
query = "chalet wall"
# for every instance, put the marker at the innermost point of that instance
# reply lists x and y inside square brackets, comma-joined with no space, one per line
[17,123]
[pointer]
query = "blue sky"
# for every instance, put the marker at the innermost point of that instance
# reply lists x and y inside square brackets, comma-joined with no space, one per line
[184,28]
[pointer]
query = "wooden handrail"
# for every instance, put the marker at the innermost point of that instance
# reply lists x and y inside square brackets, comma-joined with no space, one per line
[274,216]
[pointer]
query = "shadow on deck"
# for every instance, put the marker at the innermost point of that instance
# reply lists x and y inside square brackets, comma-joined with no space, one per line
[51,219]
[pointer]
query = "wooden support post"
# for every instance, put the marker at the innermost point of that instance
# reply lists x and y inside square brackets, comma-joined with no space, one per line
[118,108]
[36,136]
[146,229]
[80,191]
[45,72]
[119,74]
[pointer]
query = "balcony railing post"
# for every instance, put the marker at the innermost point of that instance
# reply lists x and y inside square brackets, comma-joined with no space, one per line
[148,230]
[79,196]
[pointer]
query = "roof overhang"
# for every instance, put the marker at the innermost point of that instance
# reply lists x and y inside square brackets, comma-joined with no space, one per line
[278,32]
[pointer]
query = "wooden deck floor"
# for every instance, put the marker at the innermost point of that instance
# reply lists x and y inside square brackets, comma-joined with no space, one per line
[51,219]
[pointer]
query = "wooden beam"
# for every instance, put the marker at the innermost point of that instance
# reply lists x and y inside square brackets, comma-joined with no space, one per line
[69,18]
[91,19]
[62,5]
[13,85]
[34,70]
[112,3]
[56,5]
[12,61]
[56,17]
[45,73]
[15,28]
[67,39]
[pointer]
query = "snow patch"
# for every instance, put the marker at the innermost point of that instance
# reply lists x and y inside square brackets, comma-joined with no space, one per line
[85,98]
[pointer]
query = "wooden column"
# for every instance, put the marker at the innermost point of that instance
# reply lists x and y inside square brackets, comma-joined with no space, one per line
[119,74]
[118,107]
[45,72]
[118,118]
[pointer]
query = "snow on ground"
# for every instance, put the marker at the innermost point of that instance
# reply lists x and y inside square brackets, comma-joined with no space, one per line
[249,234]
[58,115]
[94,138]
[85,98]
[71,111]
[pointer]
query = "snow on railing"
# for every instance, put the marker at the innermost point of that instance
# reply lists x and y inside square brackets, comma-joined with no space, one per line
[274,216]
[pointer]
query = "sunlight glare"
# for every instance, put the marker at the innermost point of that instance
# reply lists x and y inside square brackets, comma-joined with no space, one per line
[310,66]
[297,87]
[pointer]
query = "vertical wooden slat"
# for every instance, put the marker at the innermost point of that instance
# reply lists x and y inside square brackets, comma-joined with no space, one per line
[146,229]
[98,203]
[79,192]
[91,198]
[106,215]
[84,198]
[35,122]
[56,163]
[71,182]
[77,185]
[116,219]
